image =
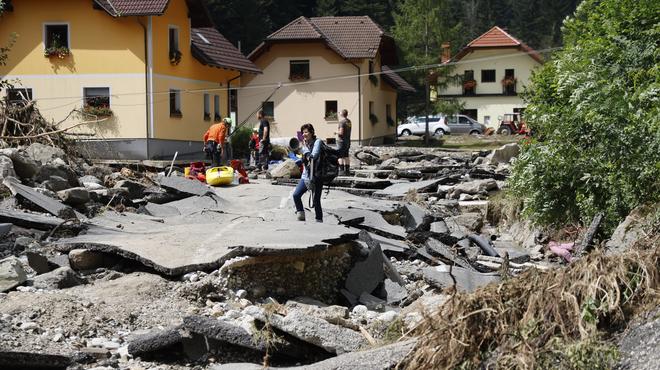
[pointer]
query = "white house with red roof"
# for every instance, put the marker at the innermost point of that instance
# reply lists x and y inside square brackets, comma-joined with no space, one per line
[495,67]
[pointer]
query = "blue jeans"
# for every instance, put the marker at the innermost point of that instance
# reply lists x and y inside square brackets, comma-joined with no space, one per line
[301,189]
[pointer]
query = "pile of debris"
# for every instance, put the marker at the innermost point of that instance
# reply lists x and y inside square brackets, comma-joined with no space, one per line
[120,268]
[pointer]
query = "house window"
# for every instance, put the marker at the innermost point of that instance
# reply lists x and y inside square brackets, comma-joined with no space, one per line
[173,51]
[97,100]
[372,77]
[19,95]
[487,75]
[331,110]
[216,107]
[175,103]
[388,115]
[372,116]
[207,107]
[269,109]
[509,82]
[56,40]
[472,113]
[298,70]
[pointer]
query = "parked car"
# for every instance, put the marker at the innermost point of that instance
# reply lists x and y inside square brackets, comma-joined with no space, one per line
[462,124]
[417,126]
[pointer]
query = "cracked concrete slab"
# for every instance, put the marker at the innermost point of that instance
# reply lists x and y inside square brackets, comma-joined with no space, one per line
[398,191]
[29,220]
[370,221]
[466,280]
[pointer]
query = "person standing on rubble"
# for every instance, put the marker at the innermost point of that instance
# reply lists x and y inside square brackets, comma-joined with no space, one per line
[225,154]
[253,145]
[344,143]
[311,150]
[212,140]
[264,141]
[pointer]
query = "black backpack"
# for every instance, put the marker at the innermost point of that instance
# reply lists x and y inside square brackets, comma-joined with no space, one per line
[326,167]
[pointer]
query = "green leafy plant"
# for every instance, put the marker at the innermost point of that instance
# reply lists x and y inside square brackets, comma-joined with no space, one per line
[175,57]
[373,118]
[594,108]
[101,111]
[390,121]
[331,116]
[373,79]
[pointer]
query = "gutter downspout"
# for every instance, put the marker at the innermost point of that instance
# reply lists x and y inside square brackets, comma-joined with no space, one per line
[359,104]
[229,95]
[150,78]
[146,82]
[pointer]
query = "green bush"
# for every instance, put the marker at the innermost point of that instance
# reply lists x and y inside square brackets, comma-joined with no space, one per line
[595,109]
[239,142]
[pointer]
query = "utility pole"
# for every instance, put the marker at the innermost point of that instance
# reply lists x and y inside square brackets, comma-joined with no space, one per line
[426,77]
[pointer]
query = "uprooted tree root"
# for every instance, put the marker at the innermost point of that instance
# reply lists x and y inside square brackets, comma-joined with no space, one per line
[540,319]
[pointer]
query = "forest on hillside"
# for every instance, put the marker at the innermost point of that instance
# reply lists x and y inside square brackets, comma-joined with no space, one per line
[536,22]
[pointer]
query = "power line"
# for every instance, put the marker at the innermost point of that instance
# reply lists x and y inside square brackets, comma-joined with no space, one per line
[301,83]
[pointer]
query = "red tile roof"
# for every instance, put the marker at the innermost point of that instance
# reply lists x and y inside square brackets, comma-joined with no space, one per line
[351,37]
[497,38]
[124,8]
[395,80]
[211,48]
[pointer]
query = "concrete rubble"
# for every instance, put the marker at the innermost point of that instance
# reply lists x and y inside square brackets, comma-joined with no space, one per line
[115,267]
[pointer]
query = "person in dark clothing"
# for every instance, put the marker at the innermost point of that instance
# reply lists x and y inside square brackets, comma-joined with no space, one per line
[311,149]
[344,143]
[264,141]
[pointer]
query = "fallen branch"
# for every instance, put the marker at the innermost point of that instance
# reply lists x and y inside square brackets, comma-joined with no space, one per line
[51,132]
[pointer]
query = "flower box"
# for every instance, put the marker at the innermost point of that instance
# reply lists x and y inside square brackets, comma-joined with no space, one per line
[101,111]
[331,116]
[373,79]
[509,81]
[373,118]
[175,57]
[390,121]
[60,52]
[469,84]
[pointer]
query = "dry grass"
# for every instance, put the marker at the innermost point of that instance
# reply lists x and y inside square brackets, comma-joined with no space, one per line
[539,316]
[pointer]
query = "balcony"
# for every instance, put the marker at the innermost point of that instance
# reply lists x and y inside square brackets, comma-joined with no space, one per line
[469,87]
[509,84]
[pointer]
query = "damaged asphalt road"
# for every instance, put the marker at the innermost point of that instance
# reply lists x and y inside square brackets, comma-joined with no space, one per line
[115,268]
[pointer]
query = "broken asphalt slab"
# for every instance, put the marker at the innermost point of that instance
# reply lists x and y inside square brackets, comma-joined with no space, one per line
[30,360]
[398,191]
[313,330]
[466,281]
[184,244]
[43,202]
[370,221]
[447,254]
[381,358]
[184,185]
[154,341]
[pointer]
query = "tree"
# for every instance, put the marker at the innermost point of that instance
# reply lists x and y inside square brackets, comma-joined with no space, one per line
[326,8]
[595,110]
[4,50]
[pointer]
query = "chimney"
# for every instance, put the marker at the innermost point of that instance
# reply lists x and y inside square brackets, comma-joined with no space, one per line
[446,52]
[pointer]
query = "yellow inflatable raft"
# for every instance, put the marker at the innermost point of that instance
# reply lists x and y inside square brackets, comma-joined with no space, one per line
[216,176]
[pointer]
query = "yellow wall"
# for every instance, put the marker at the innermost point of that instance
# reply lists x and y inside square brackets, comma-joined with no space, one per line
[189,74]
[305,102]
[381,94]
[110,52]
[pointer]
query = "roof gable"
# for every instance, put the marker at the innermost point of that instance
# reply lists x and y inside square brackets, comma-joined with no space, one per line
[211,48]
[496,37]
[352,37]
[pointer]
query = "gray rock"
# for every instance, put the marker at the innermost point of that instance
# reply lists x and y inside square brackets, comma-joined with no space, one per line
[389,164]
[439,227]
[61,260]
[286,169]
[447,254]
[84,259]
[413,217]
[24,166]
[23,242]
[6,167]
[37,262]
[473,187]
[395,293]
[12,273]
[465,223]
[634,228]
[32,360]
[154,341]
[90,179]
[135,189]
[5,228]
[466,280]
[74,196]
[381,358]
[48,170]
[314,330]
[372,303]
[503,154]
[56,183]
[60,278]
[44,153]
[366,275]
[222,331]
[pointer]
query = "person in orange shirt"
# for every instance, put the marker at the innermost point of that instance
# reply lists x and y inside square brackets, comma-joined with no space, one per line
[213,139]
[225,146]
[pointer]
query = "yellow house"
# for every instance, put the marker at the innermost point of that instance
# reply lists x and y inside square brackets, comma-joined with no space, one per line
[157,69]
[495,68]
[324,65]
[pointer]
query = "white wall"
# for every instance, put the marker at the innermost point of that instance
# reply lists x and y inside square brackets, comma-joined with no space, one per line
[301,103]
